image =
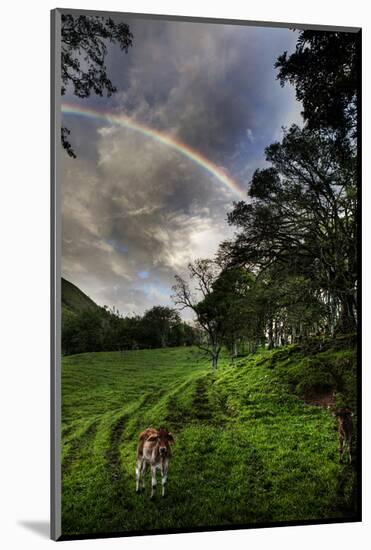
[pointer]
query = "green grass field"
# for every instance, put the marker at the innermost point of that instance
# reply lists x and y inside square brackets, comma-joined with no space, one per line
[247,449]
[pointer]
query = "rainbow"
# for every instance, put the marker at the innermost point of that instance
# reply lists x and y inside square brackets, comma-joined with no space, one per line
[160,137]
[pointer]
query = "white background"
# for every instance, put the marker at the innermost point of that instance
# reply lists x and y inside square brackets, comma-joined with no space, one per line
[24,288]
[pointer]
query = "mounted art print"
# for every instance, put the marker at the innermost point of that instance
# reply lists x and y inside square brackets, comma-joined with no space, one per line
[205,274]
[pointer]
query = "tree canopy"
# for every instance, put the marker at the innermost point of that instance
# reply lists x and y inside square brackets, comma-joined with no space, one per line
[300,223]
[325,72]
[84,42]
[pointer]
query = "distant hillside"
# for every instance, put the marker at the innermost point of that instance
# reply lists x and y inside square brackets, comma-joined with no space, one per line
[74,300]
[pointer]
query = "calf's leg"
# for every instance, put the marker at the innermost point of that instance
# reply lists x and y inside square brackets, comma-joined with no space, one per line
[144,464]
[138,469]
[341,447]
[164,470]
[350,449]
[154,481]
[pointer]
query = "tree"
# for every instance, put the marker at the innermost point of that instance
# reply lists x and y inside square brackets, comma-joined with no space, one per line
[84,48]
[82,332]
[325,70]
[235,291]
[301,219]
[158,325]
[293,308]
[325,73]
[208,309]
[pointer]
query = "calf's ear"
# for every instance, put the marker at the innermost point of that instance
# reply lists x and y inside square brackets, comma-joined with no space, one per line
[143,435]
[171,437]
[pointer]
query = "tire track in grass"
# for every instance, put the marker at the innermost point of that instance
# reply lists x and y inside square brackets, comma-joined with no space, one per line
[123,431]
[117,474]
[181,412]
[122,434]
[228,485]
[118,493]
[113,458]
[122,484]
[201,408]
[76,447]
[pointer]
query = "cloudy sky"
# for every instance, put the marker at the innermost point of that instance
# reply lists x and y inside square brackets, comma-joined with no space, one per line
[136,211]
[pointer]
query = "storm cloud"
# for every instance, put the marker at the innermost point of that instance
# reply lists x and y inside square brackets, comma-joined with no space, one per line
[135,212]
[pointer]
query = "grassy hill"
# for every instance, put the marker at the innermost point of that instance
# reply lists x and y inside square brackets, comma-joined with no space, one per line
[74,300]
[247,449]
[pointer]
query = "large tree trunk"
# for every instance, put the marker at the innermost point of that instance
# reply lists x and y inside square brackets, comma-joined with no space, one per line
[275,337]
[270,334]
[347,322]
[215,356]
[235,348]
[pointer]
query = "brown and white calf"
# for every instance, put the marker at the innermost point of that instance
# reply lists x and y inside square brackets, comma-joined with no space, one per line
[154,449]
[345,429]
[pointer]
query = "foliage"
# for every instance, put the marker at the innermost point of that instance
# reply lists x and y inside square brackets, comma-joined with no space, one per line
[325,73]
[318,372]
[300,221]
[84,42]
[205,304]
[236,292]
[160,327]
[82,332]
[104,329]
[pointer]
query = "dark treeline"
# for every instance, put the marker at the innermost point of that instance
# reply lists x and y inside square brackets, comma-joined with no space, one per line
[104,329]
[290,273]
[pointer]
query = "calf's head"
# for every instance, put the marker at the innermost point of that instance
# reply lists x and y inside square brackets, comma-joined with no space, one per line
[343,414]
[164,439]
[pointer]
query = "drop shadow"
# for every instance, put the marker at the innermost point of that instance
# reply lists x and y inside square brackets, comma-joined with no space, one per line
[41,528]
